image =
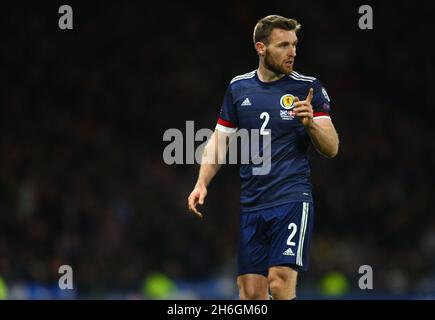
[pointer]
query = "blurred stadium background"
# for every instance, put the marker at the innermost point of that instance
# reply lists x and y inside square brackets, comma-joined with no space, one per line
[83,183]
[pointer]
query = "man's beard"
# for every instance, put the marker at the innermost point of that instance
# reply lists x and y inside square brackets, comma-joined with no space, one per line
[274,67]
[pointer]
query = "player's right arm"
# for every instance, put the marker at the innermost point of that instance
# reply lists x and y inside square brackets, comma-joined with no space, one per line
[213,157]
[214,154]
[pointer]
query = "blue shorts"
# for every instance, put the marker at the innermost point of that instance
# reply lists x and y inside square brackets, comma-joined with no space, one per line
[276,236]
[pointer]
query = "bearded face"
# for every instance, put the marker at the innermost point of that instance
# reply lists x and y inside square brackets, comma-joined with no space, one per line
[280,53]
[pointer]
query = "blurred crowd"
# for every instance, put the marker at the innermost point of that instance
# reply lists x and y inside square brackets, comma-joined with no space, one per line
[83,112]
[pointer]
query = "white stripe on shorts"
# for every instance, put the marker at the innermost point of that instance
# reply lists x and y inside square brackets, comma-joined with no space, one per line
[304,217]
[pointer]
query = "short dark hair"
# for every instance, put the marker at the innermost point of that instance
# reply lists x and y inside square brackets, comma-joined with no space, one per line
[264,27]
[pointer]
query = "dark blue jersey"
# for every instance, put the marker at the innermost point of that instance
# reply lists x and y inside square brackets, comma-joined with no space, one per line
[250,103]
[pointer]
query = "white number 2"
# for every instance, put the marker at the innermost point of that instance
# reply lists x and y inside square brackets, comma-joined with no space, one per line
[293,228]
[266,117]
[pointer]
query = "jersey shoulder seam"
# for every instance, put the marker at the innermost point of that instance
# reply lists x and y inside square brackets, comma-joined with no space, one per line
[300,77]
[244,76]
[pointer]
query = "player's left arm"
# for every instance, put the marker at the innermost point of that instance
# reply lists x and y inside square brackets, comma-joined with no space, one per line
[321,130]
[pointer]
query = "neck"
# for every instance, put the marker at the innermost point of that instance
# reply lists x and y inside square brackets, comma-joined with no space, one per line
[267,75]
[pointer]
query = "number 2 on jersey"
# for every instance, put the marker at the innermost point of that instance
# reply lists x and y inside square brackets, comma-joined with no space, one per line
[266,117]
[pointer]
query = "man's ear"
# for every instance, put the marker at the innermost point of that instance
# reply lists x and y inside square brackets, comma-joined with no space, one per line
[261,48]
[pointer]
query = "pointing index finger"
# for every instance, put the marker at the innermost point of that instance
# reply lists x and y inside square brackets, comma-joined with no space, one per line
[310,95]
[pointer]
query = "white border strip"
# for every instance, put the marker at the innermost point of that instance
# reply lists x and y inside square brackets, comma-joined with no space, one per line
[304,217]
[224,129]
[322,117]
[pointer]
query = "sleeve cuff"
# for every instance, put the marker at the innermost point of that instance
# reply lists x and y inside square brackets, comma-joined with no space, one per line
[321,115]
[225,126]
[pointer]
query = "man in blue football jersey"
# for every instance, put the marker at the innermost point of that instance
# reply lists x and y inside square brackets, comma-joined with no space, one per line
[276,219]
